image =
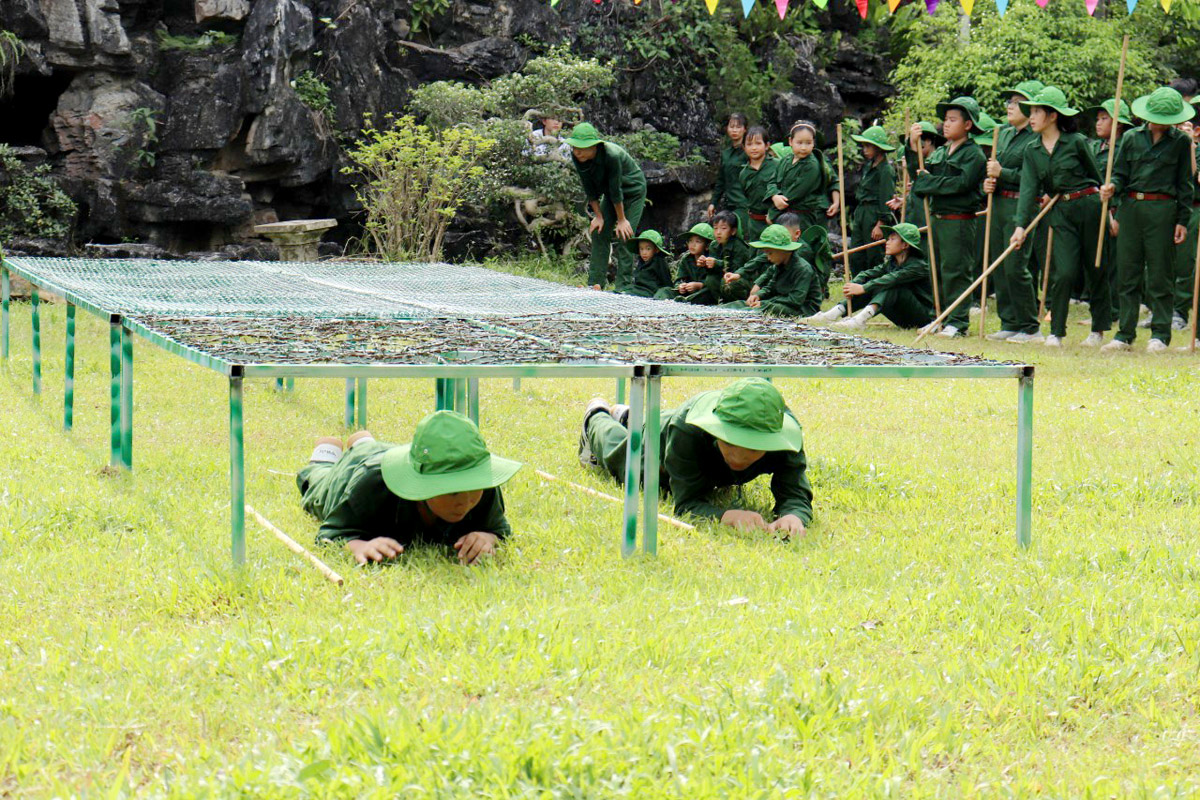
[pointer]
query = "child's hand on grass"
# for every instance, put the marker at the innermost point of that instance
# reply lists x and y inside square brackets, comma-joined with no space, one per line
[381,548]
[474,546]
[787,526]
[743,520]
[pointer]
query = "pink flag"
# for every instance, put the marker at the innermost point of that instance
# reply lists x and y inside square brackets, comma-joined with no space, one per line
[781,7]
[1042,3]
[1091,6]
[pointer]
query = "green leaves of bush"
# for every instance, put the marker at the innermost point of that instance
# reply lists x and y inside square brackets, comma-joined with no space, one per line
[31,203]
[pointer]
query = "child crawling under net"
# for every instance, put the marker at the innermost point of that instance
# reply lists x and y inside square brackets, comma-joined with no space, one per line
[377,499]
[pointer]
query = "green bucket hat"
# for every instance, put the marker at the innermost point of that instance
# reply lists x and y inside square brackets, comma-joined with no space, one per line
[910,233]
[651,236]
[747,413]
[583,135]
[1050,97]
[1027,89]
[1107,108]
[929,129]
[983,134]
[876,136]
[446,455]
[964,103]
[776,237]
[1163,106]
[701,229]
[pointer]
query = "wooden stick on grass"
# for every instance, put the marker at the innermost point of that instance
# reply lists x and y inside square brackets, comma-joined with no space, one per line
[295,547]
[842,207]
[546,476]
[942,317]
[987,234]
[1112,149]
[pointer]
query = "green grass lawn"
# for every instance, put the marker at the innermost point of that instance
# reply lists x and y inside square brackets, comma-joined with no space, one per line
[905,646]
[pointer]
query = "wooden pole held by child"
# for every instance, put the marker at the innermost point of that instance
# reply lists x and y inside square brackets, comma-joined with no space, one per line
[904,178]
[1046,276]
[1112,149]
[1195,267]
[882,242]
[949,309]
[937,300]
[295,547]
[842,205]
[987,238]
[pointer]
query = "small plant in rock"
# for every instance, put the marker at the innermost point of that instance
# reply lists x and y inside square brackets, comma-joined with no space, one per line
[31,202]
[314,93]
[11,51]
[414,178]
[423,11]
[144,127]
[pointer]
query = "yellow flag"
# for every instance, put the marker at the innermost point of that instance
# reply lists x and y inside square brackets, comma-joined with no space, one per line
[967,5]
[712,6]
[1166,4]
[892,5]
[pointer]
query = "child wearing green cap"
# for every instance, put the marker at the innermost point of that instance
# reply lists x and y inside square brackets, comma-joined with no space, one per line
[899,288]
[1103,116]
[1153,177]
[736,286]
[651,272]
[876,185]
[913,208]
[727,255]
[714,440]
[790,286]
[378,499]
[728,194]
[756,179]
[689,273]
[953,182]
[1061,162]
[615,187]
[805,184]
[1185,254]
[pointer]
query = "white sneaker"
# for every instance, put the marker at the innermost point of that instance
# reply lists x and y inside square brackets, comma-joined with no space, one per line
[1116,346]
[1093,340]
[950,332]
[1053,341]
[1000,336]
[1026,338]
[1156,346]
[829,315]
[1178,323]
[930,328]
[854,323]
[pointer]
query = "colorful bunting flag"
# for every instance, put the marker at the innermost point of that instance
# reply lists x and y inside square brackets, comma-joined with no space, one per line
[1042,3]
[1166,4]
[1091,6]
[862,8]
[968,6]
[892,5]
[821,4]
[747,5]
[712,6]
[931,6]
[1002,6]
[781,7]
[1131,4]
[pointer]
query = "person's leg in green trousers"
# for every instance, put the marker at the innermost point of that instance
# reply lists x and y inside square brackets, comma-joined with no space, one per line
[902,309]
[602,245]
[1016,296]
[608,440]
[1076,232]
[1145,249]
[861,227]
[1185,268]
[955,243]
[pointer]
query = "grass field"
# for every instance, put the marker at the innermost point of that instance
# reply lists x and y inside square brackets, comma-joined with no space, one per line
[904,647]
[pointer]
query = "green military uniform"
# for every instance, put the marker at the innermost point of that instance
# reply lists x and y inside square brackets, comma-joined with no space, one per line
[914,209]
[649,277]
[748,276]
[728,194]
[730,257]
[1069,171]
[1155,181]
[903,291]
[954,185]
[876,186]
[807,184]
[1100,150]
[790,289]
[755,185]
[693,468]
[1016,291]
[612,177]
[686,271]
[352,500]
[1185,265]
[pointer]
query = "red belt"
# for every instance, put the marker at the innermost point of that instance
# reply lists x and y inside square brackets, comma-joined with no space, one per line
[757,217]
[1010,195]
[1081,193]
[1148,196]
[955,216]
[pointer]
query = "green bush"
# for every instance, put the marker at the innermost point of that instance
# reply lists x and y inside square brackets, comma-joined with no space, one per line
[661,148]
[11,51]
[31,203]
[413,180]
[194,43]
[314,93]
[1059,45]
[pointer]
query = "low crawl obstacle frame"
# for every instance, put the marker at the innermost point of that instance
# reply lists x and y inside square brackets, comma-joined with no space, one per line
[404,326]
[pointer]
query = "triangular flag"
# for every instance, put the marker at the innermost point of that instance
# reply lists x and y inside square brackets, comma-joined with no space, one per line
[1042,3]
[747,5]
[931,6]
[862,8]
[712,6]
[821,4]
[892,4]
[1091,6]
[1166,4]
[1002,6]
[1131,4]
[781,7]
[553,3]
[968,5]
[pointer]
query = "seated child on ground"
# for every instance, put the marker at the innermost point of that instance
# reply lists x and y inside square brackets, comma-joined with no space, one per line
[651,271]
[716,439]
[726,256]
[378,499]
[689,275]
[790,287]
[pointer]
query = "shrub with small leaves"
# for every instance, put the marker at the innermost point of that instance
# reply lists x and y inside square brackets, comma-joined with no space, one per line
[31,202]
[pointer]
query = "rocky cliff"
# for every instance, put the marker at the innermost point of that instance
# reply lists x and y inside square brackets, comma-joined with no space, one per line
[178,122]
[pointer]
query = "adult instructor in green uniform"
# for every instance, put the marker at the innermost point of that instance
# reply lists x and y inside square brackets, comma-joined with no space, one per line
[615,187]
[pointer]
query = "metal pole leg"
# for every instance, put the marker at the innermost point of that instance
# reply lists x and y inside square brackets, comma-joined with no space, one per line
[5,293]
[126,398]
[37,340]
[460,395]
[114,366]
[69,370]
[361,402]
[279,384]
[443,397]
[349,421]
[291,384]
[620,390]
[1025,459]
[633,463]
[237,473]
[473,399]
[652,457]
[516,384]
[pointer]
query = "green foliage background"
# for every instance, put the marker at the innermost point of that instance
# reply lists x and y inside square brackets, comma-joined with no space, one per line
[31,202]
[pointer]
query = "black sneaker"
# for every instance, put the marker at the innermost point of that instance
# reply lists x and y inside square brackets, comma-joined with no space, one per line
[586,457]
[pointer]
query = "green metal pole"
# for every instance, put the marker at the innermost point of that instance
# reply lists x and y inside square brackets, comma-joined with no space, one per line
[516,384]
[5,292]
[69,370]
[441,391]
[460,395]
[126,398]
[473,399]
[652,456]
[279,384]
[37,341]
[114,366]
[291,384]
[349,403]
[237,473]
[620,390]
[1025,459]
[361,402]
[633,464]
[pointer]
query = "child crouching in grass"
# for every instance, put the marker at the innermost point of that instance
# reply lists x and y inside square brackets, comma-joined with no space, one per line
[651,271]
[790,286]
[689,274]
[378,499]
